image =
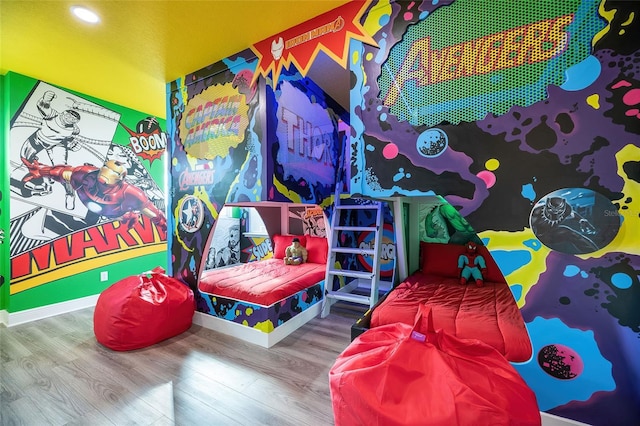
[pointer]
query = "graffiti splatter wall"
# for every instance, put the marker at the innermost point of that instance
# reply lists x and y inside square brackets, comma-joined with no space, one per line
[237,138]
[525,119]
[522,116]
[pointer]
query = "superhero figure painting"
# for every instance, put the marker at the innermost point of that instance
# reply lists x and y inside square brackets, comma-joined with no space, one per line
[68,173]
[575,221]
[102,190]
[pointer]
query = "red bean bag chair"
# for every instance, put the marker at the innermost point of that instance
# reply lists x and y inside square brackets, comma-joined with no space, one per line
[398,374]
[141,310]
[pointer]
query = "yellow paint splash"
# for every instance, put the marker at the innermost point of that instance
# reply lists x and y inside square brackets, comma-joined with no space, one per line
[527,275]
[372,23]
[355,57]
[292,196]
[627,240]
[627,22]
[608,15]
[594,101]
[492,164]
[265,327]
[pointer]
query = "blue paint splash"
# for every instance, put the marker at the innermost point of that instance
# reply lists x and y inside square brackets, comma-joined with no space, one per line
[551,392]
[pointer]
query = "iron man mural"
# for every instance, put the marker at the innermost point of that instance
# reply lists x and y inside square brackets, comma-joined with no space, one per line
[102,190]
[79,171]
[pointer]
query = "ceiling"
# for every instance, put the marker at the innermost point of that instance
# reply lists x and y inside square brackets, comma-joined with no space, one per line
[141,45]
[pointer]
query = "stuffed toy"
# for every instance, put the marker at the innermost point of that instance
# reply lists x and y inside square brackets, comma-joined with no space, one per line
[472,264]
[295,254]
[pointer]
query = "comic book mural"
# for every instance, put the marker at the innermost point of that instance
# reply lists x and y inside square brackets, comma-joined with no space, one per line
[83,179]
[216,156]
[224,249]
[520,119]
[302,221]
[234,138]
[524,117]
[304,142]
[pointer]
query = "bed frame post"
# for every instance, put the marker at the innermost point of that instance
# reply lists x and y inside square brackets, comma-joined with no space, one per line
[399,229]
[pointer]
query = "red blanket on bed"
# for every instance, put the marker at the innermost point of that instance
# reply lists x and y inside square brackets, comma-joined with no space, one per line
[487,313]
[262,283]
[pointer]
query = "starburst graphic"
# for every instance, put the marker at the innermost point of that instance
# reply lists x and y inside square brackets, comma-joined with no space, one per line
[300,45]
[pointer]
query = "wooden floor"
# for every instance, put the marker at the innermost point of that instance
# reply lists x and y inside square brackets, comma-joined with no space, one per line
[53,372]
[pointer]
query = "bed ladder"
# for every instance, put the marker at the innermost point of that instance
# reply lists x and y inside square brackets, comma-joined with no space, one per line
[353,278]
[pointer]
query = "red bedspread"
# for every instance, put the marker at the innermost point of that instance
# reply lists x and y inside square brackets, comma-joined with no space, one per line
[262,283]
[488,313]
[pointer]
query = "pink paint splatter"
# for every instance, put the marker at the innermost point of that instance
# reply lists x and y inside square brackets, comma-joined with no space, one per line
[571,358]
[488,177]
[390,151]
[408,16]
[632,97]
[621,83]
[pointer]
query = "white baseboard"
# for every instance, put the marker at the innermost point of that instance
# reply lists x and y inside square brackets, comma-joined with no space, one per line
[4,317]
[551,420]
[34,314]
[253,335]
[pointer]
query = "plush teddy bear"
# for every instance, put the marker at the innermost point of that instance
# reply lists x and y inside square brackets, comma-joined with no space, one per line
[295,254]
[472,264]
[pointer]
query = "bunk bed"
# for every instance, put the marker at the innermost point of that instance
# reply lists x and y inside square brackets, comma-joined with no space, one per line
[263,301]
[488,313]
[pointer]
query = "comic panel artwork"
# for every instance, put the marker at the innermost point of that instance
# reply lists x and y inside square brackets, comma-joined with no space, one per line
[575,220]
[305,143]
[525,120]
[307,221]
[68,175]
[215,135]
[224,249]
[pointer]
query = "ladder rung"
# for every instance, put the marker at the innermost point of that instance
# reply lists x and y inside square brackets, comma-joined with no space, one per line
[351,274]
[351,250]
[356,228]
[357,206]
[349,297]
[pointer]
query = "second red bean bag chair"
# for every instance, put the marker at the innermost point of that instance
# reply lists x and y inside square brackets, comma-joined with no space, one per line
[398,374]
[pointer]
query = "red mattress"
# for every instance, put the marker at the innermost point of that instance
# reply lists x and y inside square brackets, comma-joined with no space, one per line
[261,283]
[487,313]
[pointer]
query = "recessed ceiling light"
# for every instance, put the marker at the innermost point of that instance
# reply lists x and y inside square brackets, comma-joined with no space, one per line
[85,14]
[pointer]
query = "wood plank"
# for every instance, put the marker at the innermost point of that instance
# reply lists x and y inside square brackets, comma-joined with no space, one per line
[53,371]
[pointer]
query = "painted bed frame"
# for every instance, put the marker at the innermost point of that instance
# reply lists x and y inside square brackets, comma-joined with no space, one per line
[233,321]
[256,335]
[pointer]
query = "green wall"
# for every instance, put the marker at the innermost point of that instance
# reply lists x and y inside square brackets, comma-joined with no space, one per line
[91,250]
[4,201]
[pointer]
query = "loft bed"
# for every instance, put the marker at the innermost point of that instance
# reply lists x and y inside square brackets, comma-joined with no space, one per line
[263,301]
[488,313]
